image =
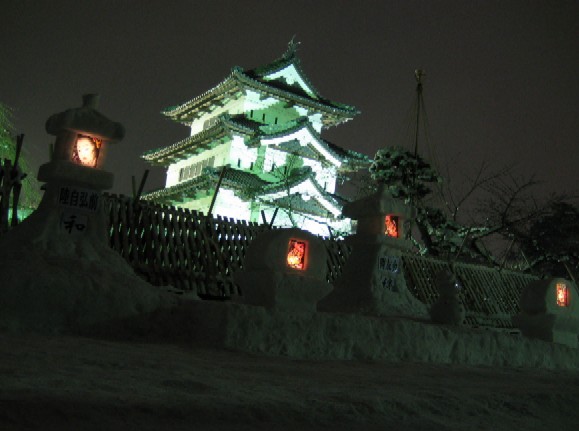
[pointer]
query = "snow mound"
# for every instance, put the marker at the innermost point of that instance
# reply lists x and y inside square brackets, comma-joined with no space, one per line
[322,336]
[51,295]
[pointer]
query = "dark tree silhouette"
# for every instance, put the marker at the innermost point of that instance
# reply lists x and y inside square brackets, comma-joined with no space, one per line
[551,242]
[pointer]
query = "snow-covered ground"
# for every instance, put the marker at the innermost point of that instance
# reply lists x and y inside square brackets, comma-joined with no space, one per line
[169,370]
[77,383]
[88,346]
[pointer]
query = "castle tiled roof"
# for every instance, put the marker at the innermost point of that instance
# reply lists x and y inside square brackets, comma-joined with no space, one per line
[226,126]
[239,80]
[243,182]
[209,138]
[250,186]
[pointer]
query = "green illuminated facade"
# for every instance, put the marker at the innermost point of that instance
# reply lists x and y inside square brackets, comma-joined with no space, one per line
[265,125]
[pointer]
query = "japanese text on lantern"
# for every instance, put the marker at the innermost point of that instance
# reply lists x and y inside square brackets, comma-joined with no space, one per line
[562,295]
[78,198]
[296,256]
[391,226]
[73,223]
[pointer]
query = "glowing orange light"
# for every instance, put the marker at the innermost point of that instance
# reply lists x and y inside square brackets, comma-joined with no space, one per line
[562,295]
[391,226]
[86,151]
[296,256]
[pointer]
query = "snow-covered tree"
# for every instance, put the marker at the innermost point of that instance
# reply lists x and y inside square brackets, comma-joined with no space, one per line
[406,175]
[413,179]
[551,241]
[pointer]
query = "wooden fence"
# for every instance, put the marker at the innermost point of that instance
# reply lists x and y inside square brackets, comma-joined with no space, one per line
[187,249]
[490,296]
[193,252]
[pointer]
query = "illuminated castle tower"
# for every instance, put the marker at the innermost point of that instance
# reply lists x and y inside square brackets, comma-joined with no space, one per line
[264,125]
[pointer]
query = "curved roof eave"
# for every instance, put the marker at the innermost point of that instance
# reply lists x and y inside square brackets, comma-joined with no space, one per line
[324,198]
[239,81]
[322,146]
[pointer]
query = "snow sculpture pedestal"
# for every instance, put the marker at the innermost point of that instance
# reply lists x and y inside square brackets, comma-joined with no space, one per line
[58,270]
[273,278]
[550,311]
[372,281]
[447,309]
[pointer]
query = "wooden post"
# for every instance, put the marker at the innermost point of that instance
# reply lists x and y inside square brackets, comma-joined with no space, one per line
[19,140]
[273,217]
[16,181]
[142,185]
[263,219]
[330,231]
[221,175]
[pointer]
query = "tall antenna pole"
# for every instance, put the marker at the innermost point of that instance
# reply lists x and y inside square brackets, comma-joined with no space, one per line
[418,73]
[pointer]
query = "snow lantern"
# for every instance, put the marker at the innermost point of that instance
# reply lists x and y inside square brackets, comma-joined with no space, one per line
[284,269]
[380,214]
[550,311]
[70,219]
[372,280]
[75,278]
[448,309]
[81,137]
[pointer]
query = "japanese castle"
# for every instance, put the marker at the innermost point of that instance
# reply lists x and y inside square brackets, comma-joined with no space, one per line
[255,138]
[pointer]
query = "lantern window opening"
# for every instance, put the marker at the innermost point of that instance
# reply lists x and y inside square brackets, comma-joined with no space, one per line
[562,295]
[391,227]
[86,150]
[296,256]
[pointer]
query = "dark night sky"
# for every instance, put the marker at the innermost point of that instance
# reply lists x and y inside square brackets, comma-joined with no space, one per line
[501,78]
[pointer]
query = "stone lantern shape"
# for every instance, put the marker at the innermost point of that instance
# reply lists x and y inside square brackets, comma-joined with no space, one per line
[81,136]
[58,269]
[372,280]
[72,205]
[381,216]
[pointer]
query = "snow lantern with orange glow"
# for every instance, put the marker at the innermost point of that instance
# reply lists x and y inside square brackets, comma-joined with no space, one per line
[392,225]
[562,293]
[81,137]
[380,214]
[550,311]
[297,254]
[284,269]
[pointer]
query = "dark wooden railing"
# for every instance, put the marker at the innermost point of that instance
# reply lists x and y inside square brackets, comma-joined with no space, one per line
[193,252]
[187,249]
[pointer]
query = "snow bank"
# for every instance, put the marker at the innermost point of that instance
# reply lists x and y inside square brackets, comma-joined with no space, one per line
[338,336]
[46,294]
